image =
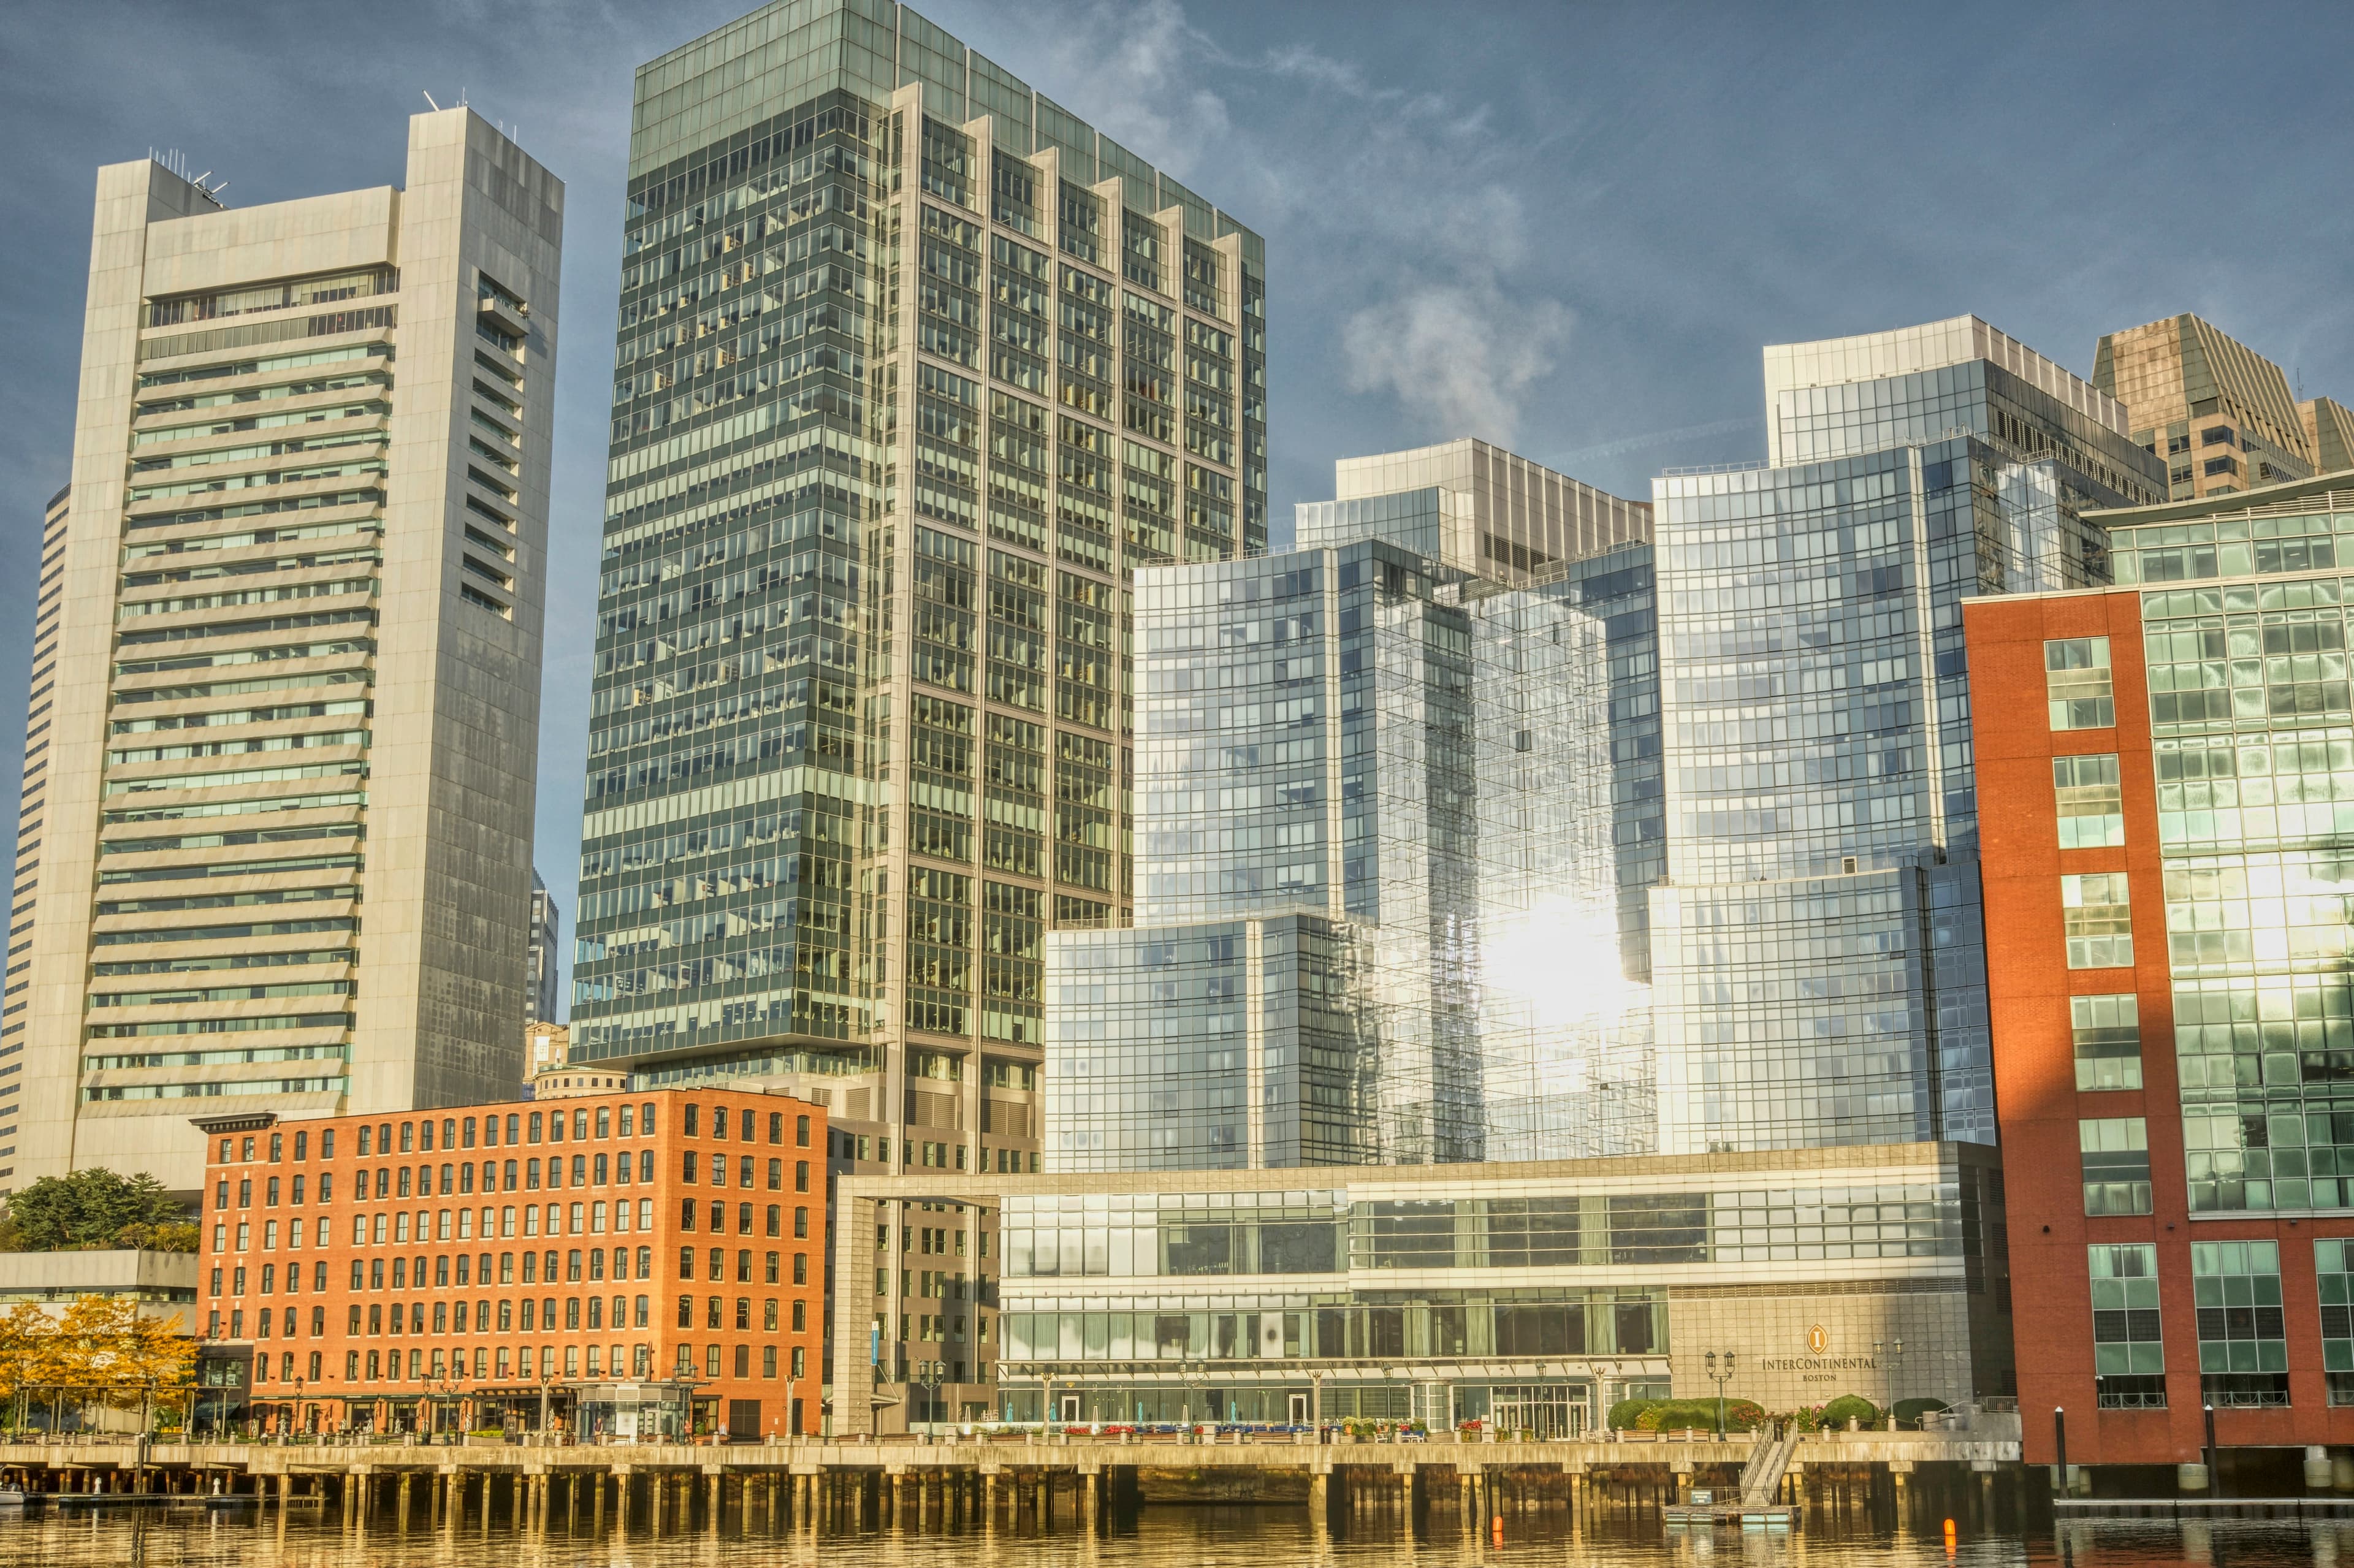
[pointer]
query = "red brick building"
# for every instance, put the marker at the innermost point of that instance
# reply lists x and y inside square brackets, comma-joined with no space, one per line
[634,1262]
[2167,1255]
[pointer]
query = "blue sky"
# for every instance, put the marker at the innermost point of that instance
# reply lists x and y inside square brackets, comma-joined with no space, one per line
[1566,229]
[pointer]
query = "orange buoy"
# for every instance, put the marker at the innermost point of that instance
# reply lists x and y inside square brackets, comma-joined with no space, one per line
[1496,1529]
[1949,1537]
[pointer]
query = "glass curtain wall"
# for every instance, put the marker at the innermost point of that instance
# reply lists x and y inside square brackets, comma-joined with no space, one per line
[1460,778]
[913,368]
[1818,949]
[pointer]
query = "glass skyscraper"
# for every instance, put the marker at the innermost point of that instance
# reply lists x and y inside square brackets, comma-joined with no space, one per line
[1422,749]
[912,369]
[1818,943]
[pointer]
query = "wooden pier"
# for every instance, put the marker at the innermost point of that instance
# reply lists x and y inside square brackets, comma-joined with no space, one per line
[1021,1481]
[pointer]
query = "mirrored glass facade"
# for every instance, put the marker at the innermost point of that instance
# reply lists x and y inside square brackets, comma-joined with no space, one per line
[1211,1045]
[2251,730]
[1817,944]
[1456,771]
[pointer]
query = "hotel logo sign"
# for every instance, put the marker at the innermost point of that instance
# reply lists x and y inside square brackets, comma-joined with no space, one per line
[1819,1358]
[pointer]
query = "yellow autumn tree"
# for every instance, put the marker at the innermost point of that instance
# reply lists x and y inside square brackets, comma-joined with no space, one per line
[106,1349]
[27,1345]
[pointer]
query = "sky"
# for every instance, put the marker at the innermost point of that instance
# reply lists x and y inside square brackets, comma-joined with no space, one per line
[1565,229]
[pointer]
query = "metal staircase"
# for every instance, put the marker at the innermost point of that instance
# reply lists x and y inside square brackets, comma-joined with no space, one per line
[1769,1459]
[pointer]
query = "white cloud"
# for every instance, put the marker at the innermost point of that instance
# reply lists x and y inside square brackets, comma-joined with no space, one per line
[1458,357]
[1390,222]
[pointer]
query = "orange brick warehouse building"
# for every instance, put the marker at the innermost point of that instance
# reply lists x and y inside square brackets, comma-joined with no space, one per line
[639,1265]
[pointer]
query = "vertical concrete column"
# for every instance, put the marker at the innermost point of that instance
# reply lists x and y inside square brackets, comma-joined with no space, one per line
[621,1502]
[656,1482]
[715,1496]
[1319,1502]
[1409,1479]
[989,1499]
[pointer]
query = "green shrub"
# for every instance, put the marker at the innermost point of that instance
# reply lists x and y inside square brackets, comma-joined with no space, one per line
[1700,1415]
[1849,1407]
[1676,1414]
[1912,1410]
[1627,1414]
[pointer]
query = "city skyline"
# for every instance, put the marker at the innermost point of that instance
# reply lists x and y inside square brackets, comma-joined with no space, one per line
[1583,830]
[1619,357]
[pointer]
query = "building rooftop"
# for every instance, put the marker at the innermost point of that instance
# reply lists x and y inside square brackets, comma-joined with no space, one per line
[1906,350]
[791,51]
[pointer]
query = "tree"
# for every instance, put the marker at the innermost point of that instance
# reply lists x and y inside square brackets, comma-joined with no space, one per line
[94,1208]
[27,1344]
[107,1350]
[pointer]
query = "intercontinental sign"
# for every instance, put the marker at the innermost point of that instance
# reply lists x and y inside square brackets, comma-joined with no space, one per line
[1818,1357]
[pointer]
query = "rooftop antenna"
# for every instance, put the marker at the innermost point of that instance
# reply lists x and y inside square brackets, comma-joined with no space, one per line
[429,97]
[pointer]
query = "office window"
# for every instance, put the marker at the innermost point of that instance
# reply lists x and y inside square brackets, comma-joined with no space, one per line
[2116,1154]
[2128,1350]
[2098,917]
[2091,800]
[2243,1341]
[2333,1266]
[2107,1035]
[2077,683]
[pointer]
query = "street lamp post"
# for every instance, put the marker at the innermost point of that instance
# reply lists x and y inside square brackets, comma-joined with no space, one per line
[928,1378]
[1720,1379]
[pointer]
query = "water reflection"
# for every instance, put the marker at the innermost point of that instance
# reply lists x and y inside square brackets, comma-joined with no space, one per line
[1161,1537]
